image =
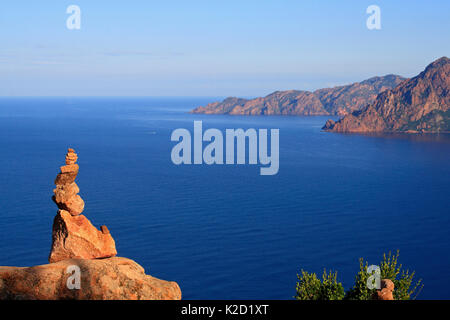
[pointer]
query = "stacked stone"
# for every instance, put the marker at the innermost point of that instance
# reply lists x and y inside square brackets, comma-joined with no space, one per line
[73,234]
[71,157]
[66,193]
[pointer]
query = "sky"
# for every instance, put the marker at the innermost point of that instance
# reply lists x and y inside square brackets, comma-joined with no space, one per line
[212,48]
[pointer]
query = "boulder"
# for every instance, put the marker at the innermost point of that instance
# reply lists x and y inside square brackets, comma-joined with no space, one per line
[76,237]
[100,279]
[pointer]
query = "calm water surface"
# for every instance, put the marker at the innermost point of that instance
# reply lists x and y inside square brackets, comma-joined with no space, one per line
[225,232]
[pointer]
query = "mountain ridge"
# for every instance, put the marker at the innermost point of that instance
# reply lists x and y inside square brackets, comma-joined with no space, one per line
[419,104]
[339,100]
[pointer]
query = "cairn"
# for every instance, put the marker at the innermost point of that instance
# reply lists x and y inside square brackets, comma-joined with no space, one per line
[77,243]
[73,234]
[66,193]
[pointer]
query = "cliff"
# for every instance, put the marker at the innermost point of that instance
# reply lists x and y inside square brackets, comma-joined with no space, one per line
[329,101]
[420,104]
[83,263]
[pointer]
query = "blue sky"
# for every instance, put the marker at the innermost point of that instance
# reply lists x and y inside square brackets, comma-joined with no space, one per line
[211,48]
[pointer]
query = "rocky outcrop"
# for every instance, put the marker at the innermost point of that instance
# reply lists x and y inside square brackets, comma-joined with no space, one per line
[100,279]
[330,101]
[386,292]
[346,99]
[73,234]
[420,104]
[76,237]
[82,259]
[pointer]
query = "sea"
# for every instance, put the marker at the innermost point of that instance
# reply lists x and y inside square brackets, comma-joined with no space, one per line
[225,231]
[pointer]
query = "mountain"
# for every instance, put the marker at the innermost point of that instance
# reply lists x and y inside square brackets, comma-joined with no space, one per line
[420,104]
[339,100]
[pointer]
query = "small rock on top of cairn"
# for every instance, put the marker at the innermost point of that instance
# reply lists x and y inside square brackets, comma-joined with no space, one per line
[71,157]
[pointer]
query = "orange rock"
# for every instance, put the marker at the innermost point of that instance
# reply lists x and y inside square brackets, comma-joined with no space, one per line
[76,237]
[66,193]
[106,279]
[75,205]
[69,168]
[386,292]
[71,158]
[66,177]
[66,198]
[73,234]
[387,284]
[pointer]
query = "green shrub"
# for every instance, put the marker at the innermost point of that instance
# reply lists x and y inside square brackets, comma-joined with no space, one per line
[403,279]
[360,291]
[390,269]
[309,287]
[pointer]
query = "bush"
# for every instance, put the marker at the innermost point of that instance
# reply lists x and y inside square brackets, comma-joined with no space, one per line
[360,291]
[309,287]
[390,269]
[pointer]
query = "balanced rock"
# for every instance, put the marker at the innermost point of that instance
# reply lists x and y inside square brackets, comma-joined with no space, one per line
[66,193]
[73,234]
[106,279]
[76,237]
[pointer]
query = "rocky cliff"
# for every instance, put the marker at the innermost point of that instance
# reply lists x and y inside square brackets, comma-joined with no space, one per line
[82,258]
[420,104]
[100,279]
[330,101]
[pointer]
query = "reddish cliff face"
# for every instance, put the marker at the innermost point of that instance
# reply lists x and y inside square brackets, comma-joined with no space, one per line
[282,103]
[330,101]
[420,104]
[346,99]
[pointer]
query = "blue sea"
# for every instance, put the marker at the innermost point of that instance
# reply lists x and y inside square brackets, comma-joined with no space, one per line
[226,232]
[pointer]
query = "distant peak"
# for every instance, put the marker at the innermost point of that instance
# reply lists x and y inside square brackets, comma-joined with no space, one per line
[438,63]
[443,59]
[388,77]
